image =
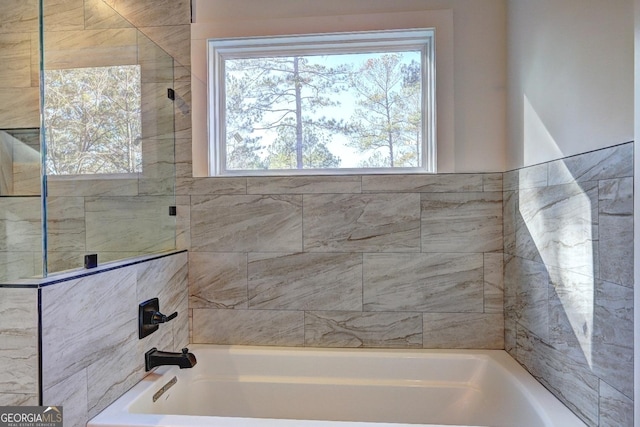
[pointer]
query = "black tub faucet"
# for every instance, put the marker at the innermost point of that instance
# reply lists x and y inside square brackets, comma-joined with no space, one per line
[155,357]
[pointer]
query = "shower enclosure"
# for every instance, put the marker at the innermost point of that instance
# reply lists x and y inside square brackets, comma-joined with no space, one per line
[86,138]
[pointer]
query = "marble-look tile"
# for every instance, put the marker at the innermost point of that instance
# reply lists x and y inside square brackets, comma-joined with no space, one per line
[97,15]
[305,281]
[571,314]
[615,230]
[509,212]
[173,39]
[248,327]
[558,225]
[436,282]
[77,304]
[17,399]
[462,222]
[21,224]
[608,163]
[66,230]
[73,187]
[19,343]
[16,265]
[148,13]
[510,180]
[63,15]
[362,222]
[112,375]
[6,163]
[157,112]
[164,278]
[616,409]
[158,172]
[217,280]
[15,56]
[183,222]
[422,183]
[180,330]
[246,223]
[19,16]
[211,186]
[352,329]
[90,48]
[304,184]
[493,283]
[571,382]
[463,330]
[71,393]
[526,178]
[139,223]
[527,294]
[492,182]
[24,109]
[613,335]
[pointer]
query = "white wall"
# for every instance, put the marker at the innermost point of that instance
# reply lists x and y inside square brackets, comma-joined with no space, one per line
[472,97]
[570,77]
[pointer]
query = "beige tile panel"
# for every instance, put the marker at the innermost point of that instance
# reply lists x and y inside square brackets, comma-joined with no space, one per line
[90,48]
[24,109]
[71,394]
[63,15]
[153,12]
[303,184]
[210,186]
[174,39]
[422,183]
[87,185]
[19,16]
[493,283]
[66,230]
[99,15]
[15,57]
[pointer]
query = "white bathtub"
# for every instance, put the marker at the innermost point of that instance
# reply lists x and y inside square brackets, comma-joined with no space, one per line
[239,386]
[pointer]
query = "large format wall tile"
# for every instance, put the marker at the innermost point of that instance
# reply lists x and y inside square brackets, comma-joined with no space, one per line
[305,281]
[217,280]
[423,183]
[616,409]
[246,223]
[456,330]
[362,223]
[304,184]
[250,327]
[615,162]
[351,329]
[423,282]
[462,222]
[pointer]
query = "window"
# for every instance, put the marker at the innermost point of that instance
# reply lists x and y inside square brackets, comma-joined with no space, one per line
[330,103]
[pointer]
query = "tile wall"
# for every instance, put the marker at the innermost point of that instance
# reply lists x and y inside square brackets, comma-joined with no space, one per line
[91,353]
[568,279]
[18,346]
[404,261]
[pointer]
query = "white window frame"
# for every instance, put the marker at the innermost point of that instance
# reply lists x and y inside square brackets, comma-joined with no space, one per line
[221,49]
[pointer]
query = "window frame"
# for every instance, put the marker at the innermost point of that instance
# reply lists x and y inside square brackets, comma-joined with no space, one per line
[221,49]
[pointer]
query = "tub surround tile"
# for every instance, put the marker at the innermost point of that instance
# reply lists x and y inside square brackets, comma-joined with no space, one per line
[65,15]
[493,283]
[613,336]
[24,110]
[509,215]
[246,223]
[218,280]
[157,111]
[422,183]
[19,343]
[100,15]
[614,162]
[615,409]
[558,226]
[58,186]
[462,222]
[571,382]
[248,327]
[305,281]
[352,329]
[469,330]
[71,393]
[211,186]
[423,282]
[492,182]
[526,178]
[19,16]
[76,346]
[304,184]
[15,55]
[20,218]
[66,230]
[13,399]
[362,223]
[615,222]
[527,296]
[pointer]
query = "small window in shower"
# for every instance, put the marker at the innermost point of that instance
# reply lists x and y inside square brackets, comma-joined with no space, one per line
[92,120]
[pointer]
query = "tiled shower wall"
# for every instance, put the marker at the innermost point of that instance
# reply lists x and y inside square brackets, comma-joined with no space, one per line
[568,243]
[404,261]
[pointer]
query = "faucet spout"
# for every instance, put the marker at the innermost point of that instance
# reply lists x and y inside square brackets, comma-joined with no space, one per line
[155,357]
